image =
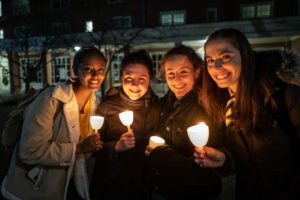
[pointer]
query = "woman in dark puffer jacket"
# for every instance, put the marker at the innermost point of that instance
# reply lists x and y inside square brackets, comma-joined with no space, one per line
[120,168]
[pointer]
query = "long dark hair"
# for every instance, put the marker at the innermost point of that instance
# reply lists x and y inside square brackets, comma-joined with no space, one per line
[246,107]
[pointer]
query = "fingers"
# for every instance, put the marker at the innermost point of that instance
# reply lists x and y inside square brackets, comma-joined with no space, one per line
[209,157]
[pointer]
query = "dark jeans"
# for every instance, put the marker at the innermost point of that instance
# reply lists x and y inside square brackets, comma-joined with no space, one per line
[72,193]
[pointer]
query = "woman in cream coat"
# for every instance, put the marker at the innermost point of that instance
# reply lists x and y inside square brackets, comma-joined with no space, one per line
[52,158]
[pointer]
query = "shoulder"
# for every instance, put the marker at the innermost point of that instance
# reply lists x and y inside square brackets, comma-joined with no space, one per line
[110,104]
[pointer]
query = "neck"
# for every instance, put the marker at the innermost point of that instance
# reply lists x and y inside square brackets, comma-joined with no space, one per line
[82,95]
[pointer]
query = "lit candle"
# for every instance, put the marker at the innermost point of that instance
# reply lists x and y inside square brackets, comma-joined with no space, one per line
[96,122]
[156,141]
[126,118]
[198,134]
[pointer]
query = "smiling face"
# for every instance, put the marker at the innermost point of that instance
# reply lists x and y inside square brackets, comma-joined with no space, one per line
[180,75]
[224,63]
[135,80]
[91,72]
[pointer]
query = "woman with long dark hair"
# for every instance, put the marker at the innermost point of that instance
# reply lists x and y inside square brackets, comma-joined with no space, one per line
[256,96]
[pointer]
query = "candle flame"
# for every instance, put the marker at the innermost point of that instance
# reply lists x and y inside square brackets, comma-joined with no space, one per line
[198,134]
[96,122]
[126,118]
[156,141]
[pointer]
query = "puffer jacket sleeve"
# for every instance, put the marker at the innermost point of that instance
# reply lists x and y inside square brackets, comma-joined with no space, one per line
[37,145]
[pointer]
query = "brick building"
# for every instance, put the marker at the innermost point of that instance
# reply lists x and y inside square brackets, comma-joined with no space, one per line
[38,38]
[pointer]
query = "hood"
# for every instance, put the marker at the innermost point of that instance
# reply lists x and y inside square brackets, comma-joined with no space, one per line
[284,65]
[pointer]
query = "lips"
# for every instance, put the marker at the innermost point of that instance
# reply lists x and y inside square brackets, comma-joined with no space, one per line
[135,91]
[179,86]
[222,76]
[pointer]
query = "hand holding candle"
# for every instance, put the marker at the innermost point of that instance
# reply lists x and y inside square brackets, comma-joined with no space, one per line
[198,134]
[96,122]
[126,118]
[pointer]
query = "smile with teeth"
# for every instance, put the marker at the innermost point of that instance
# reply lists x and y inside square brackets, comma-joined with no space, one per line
[134,91]
[223,76]
[179,86]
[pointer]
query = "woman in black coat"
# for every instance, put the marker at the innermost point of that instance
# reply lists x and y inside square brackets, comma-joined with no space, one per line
[257,97]
[120,166]
[174,173]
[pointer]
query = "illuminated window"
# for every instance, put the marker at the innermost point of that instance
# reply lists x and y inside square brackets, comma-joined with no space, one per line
[212,14]
[156,59]
[120,22]
[257,10]
[248,12]
[20,7]
[172,18]
[88,26]
[28,65]
[116,68]
[0,8]
[263,11]
[60,69]
[1,34]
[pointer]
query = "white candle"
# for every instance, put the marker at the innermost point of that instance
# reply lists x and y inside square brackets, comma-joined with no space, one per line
[126,118]
[156,141]
[198,134]
[96,122]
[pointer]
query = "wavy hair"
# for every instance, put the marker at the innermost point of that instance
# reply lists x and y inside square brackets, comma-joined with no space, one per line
[246,108]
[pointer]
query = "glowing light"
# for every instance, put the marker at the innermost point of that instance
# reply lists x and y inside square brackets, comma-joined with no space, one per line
[126,118]
[96,122]
[198,134]
[156,141]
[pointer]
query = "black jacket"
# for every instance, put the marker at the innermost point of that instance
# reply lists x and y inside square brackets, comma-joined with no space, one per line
[175,175]
[268,158]
[122,175]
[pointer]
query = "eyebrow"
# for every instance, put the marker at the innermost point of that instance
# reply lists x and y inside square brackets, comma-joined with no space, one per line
[222,52]
[179,68]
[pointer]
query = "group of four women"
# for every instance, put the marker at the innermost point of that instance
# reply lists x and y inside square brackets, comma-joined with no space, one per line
[250,101]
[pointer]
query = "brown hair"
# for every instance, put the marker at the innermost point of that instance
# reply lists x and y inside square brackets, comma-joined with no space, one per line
[138,57]
[190,53]
[245,110]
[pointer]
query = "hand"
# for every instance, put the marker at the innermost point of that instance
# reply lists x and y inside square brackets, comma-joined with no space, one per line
[209,157]
[148,150]
[90,144]
[126,141]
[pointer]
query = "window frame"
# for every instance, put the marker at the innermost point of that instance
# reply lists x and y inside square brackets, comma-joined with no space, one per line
[172,13]
[256,5]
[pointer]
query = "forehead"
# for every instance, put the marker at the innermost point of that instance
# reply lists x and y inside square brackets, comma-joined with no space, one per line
[219,46]
[177,62]
[136,69]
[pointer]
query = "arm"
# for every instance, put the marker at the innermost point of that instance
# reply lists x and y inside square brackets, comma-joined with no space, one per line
[38,144]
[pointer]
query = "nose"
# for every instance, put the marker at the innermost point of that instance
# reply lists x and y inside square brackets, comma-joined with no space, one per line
[135,82]
[93,73]
[218,63]
[177,77]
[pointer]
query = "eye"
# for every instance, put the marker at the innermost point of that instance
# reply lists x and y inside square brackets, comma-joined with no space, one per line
[171,75]
[101,70]
[226,57]
[209,61]
[87,69]
[142,80]
[128,78]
